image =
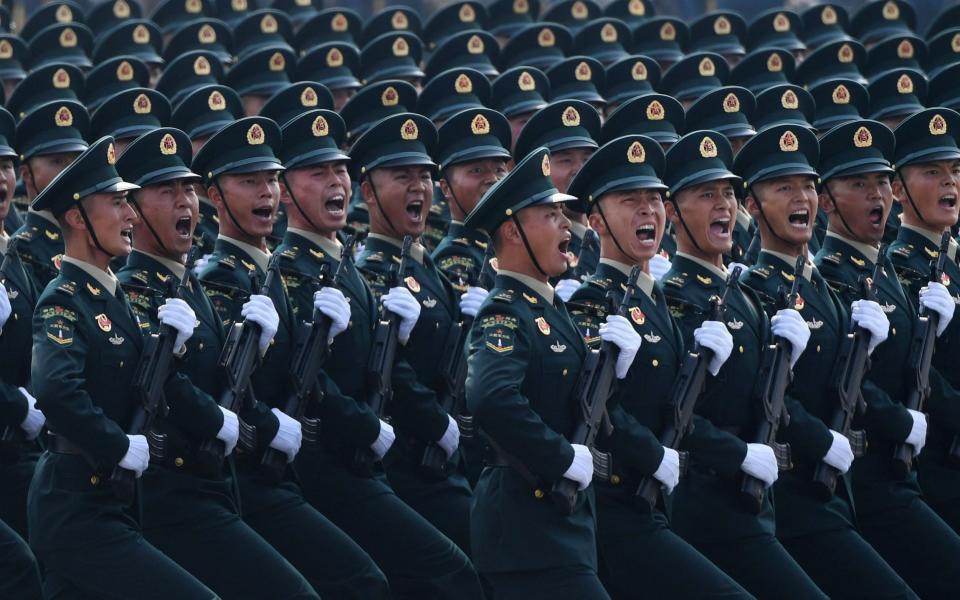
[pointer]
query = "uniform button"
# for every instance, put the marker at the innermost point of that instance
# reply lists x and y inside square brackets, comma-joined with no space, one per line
[818,347]
[893,331]
[655,362]
[200,346]
[121,363]
[564,372]
[741,349]
[350,325]
[615,479]
[94,480]
[538,494]
[178,461]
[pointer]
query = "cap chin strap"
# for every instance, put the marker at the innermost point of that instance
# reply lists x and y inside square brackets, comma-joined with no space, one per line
[223,198]
[836,208]
[33,178]
[612,235]
[526,244]
[693,240]
[455,199]
[906,191]
[296,203]
[763,216]
[143,218]
[380,208]
[90,230]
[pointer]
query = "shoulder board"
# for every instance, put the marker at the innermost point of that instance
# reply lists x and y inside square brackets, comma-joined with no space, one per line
[67,287]
[141,276]
[481,245]
[905,250]
[290,253]
[461,241]
[27,234]
[602,283]
[676,281]
[454,260]
[374,257]
[833,257]
[504,296]
[761,272]
[228,262]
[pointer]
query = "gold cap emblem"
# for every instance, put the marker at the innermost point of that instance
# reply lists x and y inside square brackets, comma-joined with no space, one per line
[828,16]
[121,9]
[706,67]
[583,72]
[708,148]
[721,26]
[68,38]
[905,84]
[731,103]
[124,71]
[268,24]
[141,35]
[480,125]
[845,54]
[334,57]
[168,145]
[526,82]
[308,97]
[339,23]
[521,7]
[781,24]
[938,125]
[655,111]
[389,97]
[462,84]
[207,34]
[639,71]
[277,62]
[399,20]
[61,79]
[862,138]
[579,11]
[891,11]
[201,66]
[400,47]
[475,45]
[545,165]
[320,127]
[302,3]
[467,14]
[668,32]
[6,49]
[608,33]
[570,117]
[238,5]
[841,95]
[63,14]
[409,130]
[789,100]
[774,63]
[789,142]
[636,154]
[63,117]
[111,154]
[905,50]
[637,8]
[142,105]
[545,38]
[193,6]
[255,135]
[216,101]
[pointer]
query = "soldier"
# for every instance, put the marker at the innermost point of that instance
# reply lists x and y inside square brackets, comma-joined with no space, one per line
[129,114]
[778,169]
[259,75]
[891,513]
[189,514]
[86,348]
[418,560]
[619,187]
[517,94]
[241,171]
[706,508]
[393,161]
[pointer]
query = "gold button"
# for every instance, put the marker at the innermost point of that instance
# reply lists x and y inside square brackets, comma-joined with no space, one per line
[655,363]
[564,372]
[94,480]
[818,347]
[538,494]
[615,479]
[893,331]
[200,346]
[178,461]
[349,324]
[741,349]
[121,363]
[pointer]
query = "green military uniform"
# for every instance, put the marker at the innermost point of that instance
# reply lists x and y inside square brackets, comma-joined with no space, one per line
[87,344]
[277,511]
[707,510]
[190,515]
[418,560]
[636,546]
[525,356]
[812,529]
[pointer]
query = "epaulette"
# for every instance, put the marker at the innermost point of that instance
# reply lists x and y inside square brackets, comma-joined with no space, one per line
[67,287]
[833,258]
[676,281]
[602,283]
[481,245]
[905,251]
[374,257]
[142,276]
[27,234]
[462,241]
[228,262]
[503,296]
[291,253]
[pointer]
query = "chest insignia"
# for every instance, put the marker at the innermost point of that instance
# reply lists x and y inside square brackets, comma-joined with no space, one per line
[734,325]
[558,347]
[56,261]
[931,252]
[542,325]
[637,316]
[51,235]
[94,290]
[429,302]
[945,279]
[412,284]
[115,339]
[652,338]
[316,253]
[163,278]
[529,298]
[799,304]
[815,324]
[858,261]
[704,280]
[12,294]
[888,308]
[103,322]
[248,265]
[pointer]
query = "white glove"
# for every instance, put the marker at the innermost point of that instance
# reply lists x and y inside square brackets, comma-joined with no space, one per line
[868,315]
[177,314]
[715,336]
[33,422]
[331,302]
[840,455]
[581,469]
[668,473]
[451,437]
[200,263]
[734,264]
[659,266]
[619,332]
[935,297]
[918,433]
[401,302]
[384,440]
[259,309]
[761,463]
[565,288]
[229,431]
[789,325]
[289,436]
[137,458]
[471,300]
[5,308]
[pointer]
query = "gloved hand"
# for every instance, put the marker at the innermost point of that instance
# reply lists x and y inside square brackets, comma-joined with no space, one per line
[918,433]
[229,431]
[840,455]
[715,336]
[565,288]
[33,422]
[761,463]
[471,300]
[200,263]
[868,315]
[5,308]
[451,437]
[331,302]
[668,473]
[734,264]
[581,469]
[401,302]
[289,436]
[935,297]
[259,309]
[384,440]
[177,314]
[789,325]
[659,266]
[619,332]
[137,458]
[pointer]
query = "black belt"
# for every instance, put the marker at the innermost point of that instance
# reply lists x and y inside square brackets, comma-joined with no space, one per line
[61,445]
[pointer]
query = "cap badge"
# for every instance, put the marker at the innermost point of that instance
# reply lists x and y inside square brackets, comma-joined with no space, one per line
[938,125]
[570,117]
[781,24]
[475,45]
[142,105]
[608,34]
[216,101]
[63,14]
[389,97]
[708,149]
[789,100]
[639,71]
[255,135]
[168,145]
[193,6]
[668,32]
[891,11]
[339,23]
[905,50]
[721,26]
[545,165]
[141,35]
[111,154]
[467,14]
[6,49]
[238,5]
[334,58]
[521,7]
[61,79]
[121,9]
[526,82]
[63,117]
[955,43]
[399,20]
[545,38]
[480,125]
[201,66]
[828,16]
[207,34]
[655,111]
[124,71]
[308,97]
[277,62]
[268,24]
[400,47]
[707,68]
[862,138]
[409,130]
[731,103]
[789,142]
[841,95]
[583,72]
[68,38]
[579,11]
[905,84]
[320,127]
[774,63]
[845,54]
[463,84]
[637,8]
[636,154]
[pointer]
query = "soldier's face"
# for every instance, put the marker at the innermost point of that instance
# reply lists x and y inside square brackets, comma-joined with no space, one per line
[198,142]
[516,124]
[565,164]
[39,171]
[322,192]
[340,97]
[548,232]
[708,210]
[253,199]
[112,218]
[635,218]
[934,188]
[789,205]
[8,181]
[465,183]
[399,199]
[863,201]
[253,104]
[173,210]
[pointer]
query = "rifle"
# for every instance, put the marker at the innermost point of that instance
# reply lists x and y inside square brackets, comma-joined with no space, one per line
[854,362]
[775,375]
[309,356]
[687,389]
[382,356]
[12,436]
[434,464]
[152,372]
[918,363]
[589,242]
[240,357]
[594,388]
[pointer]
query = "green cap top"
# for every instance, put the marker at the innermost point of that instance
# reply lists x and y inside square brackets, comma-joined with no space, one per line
[855,148]
[188,72]
[405,139]
[13,56]
[115,75]
[656,116]
[61,43]
[880,19]
[762,69]
[825,24]
[927,136]
[898,52]
[838,102]
[393,19]
[262,73]
[211,35]
[136,37]
[313,138]
[721,31]
[206,109]
[695,75]
[45,84]
[897,93]
[574,14]
[473,49]
[453,91]
[296,99]
[561,125]
[945,88]
[776,28]
[779,151]
[248,145]
[377,101]
[8,129]
[943,51]
[93,172]
[540,46]
[53,13]
[171,15]
[456,17]
[53,128]
[632,12]
[631,162]
[698,157]
[333,64]
[528,184]
[299,11]
[390,56]
[835,60]
[784,105]
[161,155]
[727,110]
[232,11]
[604,39]
[104,16]
[577,78]
[661,38]
[631,77]
[519,91]
[341,25]
[473,134]
[261,30]
[947,19]
[130,113]
[507,17]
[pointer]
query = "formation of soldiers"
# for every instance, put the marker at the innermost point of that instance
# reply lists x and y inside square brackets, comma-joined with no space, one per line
[507,302]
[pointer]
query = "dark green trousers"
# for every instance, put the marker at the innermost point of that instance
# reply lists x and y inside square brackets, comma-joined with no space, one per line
[560,583]
[419,561]
[19,577]
[13,495]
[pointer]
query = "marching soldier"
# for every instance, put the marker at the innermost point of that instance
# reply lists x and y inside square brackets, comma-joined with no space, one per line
[191,515]
[706,509]
[620,187]
[241,170]
[86,347]
[778,169]
[418,560]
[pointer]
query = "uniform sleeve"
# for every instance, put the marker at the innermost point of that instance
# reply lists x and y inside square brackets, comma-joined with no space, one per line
[497,366]
[633,442]
[884,416]
[59,357]
[807,435]
[353,421]
[13,406]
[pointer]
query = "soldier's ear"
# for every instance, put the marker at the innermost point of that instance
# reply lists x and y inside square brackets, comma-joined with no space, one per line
[824,200]
[596,223]
[73,219]
[213,195]
[750,203]
[896,183]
